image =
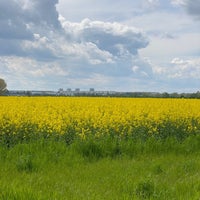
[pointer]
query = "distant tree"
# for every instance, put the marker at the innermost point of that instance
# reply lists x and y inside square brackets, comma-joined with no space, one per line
[174,95]
[165,95]
[198,94]
[3,86]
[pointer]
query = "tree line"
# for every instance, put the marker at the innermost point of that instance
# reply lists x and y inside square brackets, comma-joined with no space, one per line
[195,95]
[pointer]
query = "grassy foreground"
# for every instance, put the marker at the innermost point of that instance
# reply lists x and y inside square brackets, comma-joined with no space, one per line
[101,169]
[99,148]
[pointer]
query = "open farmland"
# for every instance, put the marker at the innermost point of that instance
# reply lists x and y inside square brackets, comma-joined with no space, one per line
[25,118]
[99,148]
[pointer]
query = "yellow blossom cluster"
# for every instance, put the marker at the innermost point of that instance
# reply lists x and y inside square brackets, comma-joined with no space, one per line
[85,116]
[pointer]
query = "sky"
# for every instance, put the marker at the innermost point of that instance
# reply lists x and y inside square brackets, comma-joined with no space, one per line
[120,45]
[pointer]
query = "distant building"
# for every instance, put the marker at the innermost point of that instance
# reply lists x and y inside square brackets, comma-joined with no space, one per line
[60,91]
[77,90]
[91,90]
[69,92]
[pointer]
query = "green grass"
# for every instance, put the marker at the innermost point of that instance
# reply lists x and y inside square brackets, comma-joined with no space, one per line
[101,169]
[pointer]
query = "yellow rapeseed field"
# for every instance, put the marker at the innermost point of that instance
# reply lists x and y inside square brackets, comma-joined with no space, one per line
[84,116]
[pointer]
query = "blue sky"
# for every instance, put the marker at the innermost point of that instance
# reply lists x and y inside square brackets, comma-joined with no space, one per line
[121,45]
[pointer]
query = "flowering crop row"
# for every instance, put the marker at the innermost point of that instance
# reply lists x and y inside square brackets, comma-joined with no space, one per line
[28,117]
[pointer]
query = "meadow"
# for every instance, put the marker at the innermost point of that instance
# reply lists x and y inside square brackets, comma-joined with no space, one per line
[99,148]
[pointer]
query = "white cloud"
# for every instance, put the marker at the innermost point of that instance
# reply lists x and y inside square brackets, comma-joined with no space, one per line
[182,69]
[26,67]
[177,75]
[110,37]
[179,69]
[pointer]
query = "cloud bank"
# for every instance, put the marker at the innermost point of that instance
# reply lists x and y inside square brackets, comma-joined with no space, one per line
[192,7]
[41,49]
[41,45]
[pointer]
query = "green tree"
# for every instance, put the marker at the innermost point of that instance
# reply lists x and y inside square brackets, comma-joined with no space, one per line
[3,86]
